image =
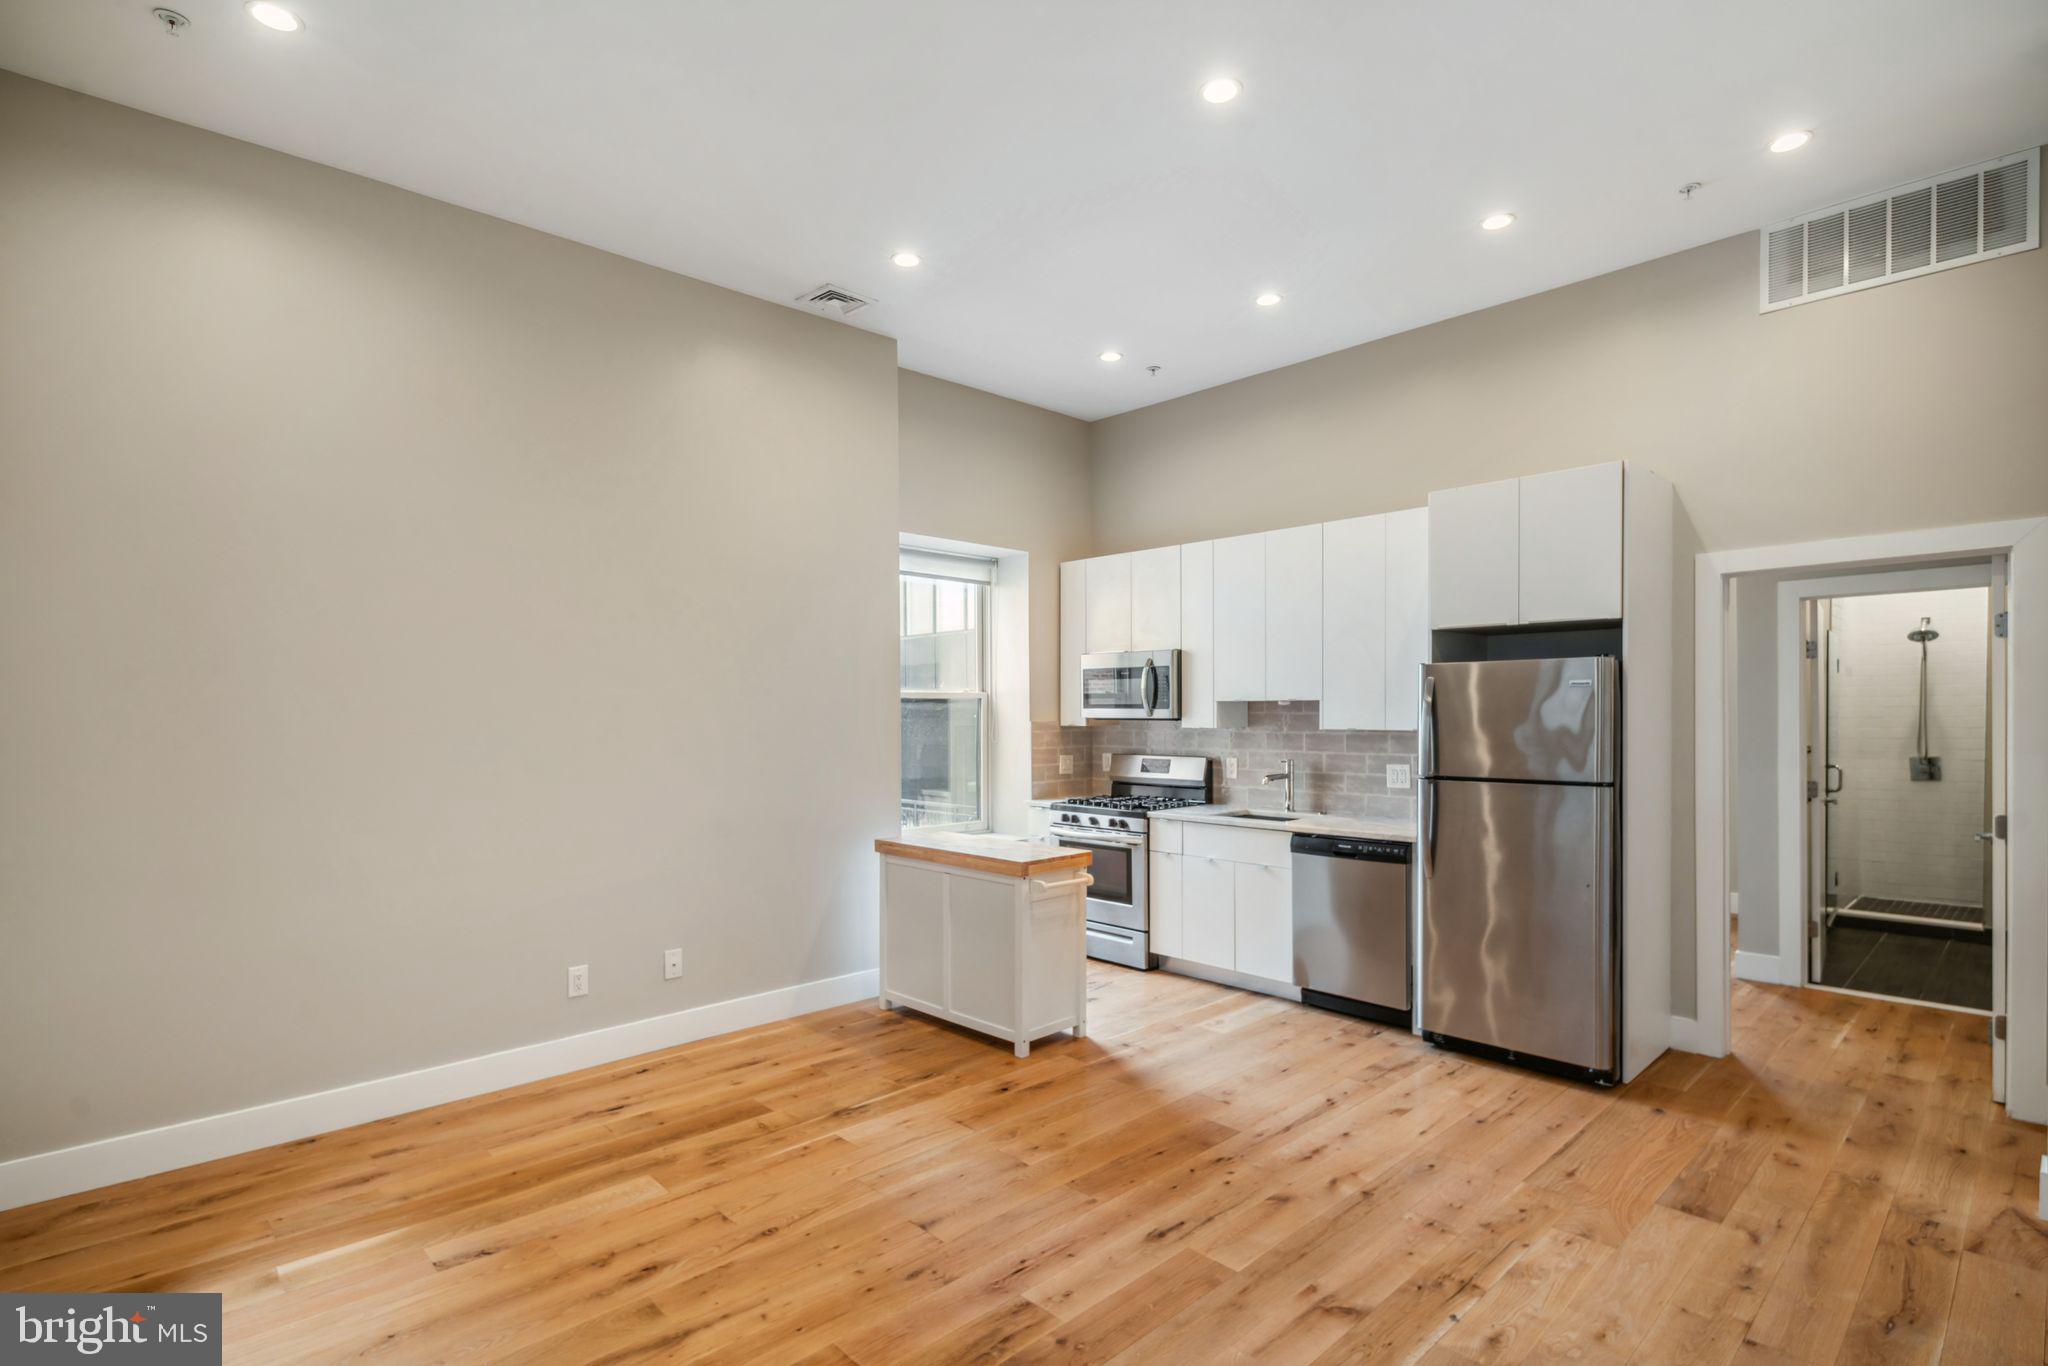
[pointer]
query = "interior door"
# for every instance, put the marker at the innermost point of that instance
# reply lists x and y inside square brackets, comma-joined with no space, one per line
[1827,780]
[2026,807]
[1995,851]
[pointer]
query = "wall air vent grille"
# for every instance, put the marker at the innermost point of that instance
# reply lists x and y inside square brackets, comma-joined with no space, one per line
[1953,219]
[832,301]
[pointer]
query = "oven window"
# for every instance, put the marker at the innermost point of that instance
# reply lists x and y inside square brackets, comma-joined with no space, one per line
[1112,873]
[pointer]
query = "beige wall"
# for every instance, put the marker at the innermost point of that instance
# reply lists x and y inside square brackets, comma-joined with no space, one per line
[401,606]
[1911,405]
[990,470]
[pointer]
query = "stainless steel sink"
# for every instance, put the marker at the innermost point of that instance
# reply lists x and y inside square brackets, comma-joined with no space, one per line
[1259,816]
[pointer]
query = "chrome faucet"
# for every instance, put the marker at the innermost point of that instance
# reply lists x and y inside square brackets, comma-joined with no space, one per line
[1285,775]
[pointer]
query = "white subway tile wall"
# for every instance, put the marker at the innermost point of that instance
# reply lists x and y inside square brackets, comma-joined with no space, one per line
[1339,772]
[1893,837]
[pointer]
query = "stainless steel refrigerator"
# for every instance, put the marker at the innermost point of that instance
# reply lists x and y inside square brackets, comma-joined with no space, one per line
[1521,838]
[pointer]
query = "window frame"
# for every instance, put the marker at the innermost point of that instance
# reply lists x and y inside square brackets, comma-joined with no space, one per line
[982,819]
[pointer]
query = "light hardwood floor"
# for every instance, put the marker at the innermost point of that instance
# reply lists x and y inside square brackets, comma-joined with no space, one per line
[1212,1176]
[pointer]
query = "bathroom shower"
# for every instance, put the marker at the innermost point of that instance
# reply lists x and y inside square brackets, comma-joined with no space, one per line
[1923,767]
[1899,883]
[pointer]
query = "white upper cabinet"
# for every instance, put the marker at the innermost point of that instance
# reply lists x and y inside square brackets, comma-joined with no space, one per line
[1525,552]
[1155,598]
[1240,640]
[1355,614]
[1294,614]
[1407,616]
[1109,604]
[1570,545]
[1475,556]
[1073,638]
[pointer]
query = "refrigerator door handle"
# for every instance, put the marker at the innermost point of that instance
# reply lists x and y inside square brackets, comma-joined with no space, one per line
[1428,725]
[1429,825]
[1429,770]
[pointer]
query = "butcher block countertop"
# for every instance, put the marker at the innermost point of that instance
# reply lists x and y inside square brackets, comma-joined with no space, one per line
[1006,855]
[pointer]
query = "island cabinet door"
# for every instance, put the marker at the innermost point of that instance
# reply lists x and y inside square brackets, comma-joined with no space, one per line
[1207,896]
[914,933]
[981,951]
[1165,897]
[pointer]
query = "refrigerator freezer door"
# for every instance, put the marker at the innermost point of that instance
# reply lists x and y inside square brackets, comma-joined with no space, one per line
[1518,919]
[1527,720]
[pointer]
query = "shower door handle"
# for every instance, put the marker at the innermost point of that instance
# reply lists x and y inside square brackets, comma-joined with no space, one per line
[1837,779]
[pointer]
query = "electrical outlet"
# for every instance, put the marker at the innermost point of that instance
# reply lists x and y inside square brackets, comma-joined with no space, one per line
[579,980]
[671,965]
[1230,768]
[1105,762]
[1397,777]
[1066,765]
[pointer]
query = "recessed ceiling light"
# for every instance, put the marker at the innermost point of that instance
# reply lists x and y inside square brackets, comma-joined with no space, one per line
[907,259]
[1494,222]
[1267,300]
[274,16]
[1223,90]
[1110,357]
[1792,141]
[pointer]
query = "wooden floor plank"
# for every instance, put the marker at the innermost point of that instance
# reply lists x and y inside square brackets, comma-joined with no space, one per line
[1212,1175]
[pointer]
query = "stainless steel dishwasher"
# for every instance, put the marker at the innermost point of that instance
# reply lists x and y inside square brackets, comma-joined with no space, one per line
[1351,925]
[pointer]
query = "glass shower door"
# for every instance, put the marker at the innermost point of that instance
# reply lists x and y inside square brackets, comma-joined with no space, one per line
[1827,779]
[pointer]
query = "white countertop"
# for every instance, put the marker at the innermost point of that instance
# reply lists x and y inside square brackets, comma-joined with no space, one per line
[1013,855]
[1304,823]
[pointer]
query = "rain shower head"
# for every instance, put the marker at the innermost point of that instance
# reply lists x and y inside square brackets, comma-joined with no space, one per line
[1925,633]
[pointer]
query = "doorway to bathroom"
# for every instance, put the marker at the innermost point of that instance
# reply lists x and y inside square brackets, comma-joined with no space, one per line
[1901,741]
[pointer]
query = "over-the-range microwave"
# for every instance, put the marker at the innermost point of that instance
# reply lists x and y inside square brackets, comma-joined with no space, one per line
[1141,685]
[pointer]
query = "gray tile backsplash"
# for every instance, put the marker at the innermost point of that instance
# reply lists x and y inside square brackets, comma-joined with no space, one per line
[1342,772]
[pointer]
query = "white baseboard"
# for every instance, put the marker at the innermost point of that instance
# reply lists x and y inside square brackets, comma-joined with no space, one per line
[45,1176]
[1762,967]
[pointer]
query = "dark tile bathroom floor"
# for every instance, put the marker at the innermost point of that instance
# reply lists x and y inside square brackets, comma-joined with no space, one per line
[1953,972]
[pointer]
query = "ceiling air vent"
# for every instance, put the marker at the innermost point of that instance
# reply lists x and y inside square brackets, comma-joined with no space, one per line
[832,301]
[1952,219]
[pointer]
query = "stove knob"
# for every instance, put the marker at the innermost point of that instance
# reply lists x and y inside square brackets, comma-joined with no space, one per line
[1095,820]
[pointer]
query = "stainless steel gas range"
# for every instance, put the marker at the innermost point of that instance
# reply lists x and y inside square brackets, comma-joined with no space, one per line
[1114,829]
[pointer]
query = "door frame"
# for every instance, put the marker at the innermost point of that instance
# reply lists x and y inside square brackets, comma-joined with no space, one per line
[1709,1030]
[1794,729]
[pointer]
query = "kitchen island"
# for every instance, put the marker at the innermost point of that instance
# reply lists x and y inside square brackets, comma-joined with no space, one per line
[987,931]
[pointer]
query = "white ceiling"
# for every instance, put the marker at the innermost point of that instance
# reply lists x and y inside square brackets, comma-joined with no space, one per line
[1054,164]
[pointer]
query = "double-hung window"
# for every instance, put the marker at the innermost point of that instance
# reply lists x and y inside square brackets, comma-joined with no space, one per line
[943,612]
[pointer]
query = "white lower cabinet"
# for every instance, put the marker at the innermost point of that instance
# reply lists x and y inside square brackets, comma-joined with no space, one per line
[1208,900]
[1264,920]
[1164,898]
[1227,901]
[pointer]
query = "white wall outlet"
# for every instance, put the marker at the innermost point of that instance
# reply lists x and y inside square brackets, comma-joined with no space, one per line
[671,965]
[579,980]
[1105,762]
[1397,777]
[1066,765]
[1230,767]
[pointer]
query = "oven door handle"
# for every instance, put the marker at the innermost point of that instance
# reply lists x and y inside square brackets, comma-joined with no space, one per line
[1105,842]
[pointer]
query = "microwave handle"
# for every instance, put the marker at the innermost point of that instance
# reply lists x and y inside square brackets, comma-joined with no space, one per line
[1151,685]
